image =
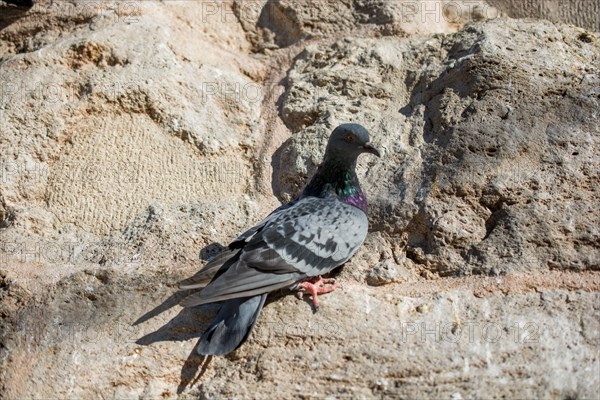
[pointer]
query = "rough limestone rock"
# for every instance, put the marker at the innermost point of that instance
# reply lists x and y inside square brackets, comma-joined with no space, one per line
[480,183]
[283,23]
[582,13]
[138,137]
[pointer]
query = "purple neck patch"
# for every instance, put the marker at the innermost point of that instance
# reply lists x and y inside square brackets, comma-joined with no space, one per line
[356,199]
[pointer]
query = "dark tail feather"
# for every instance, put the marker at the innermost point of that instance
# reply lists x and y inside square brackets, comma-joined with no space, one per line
[232,325]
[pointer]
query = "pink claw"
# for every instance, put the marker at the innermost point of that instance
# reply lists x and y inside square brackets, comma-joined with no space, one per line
[316,286]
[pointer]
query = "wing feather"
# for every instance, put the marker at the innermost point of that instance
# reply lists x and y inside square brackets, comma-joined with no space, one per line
[306,238]
[226,258]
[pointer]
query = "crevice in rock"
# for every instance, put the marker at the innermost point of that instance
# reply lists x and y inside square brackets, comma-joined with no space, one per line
[7,216]
[493,221]
[29,36]
[13,13]
[420,237]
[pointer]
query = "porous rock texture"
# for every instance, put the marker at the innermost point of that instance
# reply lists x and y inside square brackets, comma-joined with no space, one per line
[582,13]
[137,137]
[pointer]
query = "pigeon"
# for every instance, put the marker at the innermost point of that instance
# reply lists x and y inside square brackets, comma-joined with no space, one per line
[291,248]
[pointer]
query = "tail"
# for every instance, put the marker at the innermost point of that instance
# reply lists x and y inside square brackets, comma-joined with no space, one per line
[232,325]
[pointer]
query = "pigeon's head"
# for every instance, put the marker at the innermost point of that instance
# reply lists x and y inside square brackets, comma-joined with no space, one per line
[349,141]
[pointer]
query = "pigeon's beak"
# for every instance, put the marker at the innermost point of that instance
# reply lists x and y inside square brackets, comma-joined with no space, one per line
[370,149]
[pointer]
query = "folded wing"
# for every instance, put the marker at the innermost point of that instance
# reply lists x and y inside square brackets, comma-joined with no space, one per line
[310,237]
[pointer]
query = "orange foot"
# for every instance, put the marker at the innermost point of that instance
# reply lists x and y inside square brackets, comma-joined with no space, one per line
[316,286]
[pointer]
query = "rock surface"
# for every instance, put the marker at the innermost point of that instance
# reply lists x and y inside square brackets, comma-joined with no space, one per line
[480,184]
[135,135]
[582,13]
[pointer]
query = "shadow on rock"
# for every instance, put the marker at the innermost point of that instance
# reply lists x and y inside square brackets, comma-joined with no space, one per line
[188,324]
[12,13]
[184,326]
[189,373]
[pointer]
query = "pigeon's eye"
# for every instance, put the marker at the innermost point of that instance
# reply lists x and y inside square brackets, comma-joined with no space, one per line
[349,137]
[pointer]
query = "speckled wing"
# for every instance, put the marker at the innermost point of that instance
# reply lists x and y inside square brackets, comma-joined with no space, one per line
[230,255]
[313,237]
[309,238]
